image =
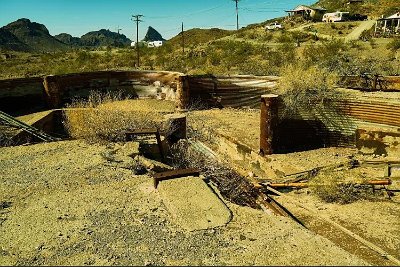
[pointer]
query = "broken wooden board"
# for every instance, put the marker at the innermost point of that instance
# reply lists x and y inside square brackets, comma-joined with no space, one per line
[193,204]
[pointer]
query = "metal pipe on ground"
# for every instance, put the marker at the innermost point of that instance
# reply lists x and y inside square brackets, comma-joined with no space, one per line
[336,225]
[305,184]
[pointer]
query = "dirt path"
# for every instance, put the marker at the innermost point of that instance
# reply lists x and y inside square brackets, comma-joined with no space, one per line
[356,33]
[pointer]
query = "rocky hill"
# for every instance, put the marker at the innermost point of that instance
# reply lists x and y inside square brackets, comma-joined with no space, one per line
[34,35]
[9,41]
[68,39]
[152,35]
[27,36]
[104,38]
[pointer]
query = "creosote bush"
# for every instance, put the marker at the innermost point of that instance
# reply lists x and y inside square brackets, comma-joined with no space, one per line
[333,189]
[97,120]
[307,87]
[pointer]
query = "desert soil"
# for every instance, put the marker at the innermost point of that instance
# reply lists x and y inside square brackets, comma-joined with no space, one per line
[74,203]
[71,203]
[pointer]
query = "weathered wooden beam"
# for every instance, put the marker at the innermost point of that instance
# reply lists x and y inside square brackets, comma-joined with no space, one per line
[268,123]
[167,175]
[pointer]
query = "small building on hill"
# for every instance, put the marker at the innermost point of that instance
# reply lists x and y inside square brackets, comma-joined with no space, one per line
[155,43]
[308,13]
[389,25]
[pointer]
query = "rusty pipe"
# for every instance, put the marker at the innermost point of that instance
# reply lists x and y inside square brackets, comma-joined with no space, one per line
[305,185]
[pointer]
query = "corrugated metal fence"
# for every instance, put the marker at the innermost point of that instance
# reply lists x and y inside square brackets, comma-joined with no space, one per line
[316,127]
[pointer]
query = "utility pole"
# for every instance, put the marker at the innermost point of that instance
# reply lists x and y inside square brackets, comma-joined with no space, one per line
[183,40]
[118,29]
[237,14]
[137,19]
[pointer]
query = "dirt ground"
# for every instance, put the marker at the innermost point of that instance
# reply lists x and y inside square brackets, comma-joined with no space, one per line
[74,203]
[70,203]
[374,217]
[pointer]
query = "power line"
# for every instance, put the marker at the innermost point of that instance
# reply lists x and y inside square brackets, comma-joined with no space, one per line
[137,19]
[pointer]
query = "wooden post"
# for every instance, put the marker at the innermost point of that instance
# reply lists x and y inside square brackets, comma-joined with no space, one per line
[182,93]
[268,123]
[177,128]
[53,91]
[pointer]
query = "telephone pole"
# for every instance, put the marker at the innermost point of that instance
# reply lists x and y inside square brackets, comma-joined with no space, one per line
[137,19]
[183,41]
[237,14]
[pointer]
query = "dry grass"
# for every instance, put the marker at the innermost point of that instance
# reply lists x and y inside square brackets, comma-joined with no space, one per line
[232,185]
[305,87]
[103,118]
[332,188]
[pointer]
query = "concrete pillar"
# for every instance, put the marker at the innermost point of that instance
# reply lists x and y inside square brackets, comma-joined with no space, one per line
[176,127]
[182,93]
[268,123]
[53,91]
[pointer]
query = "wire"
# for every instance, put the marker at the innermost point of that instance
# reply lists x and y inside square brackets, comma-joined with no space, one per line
[190,14]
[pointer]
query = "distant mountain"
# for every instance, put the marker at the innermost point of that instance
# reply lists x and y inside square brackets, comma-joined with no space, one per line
[68,39]
[104,38]
[34,35]
[9,41]
[153,35]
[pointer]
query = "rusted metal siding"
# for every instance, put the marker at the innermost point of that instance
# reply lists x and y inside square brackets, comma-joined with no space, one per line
[234,91]
[23,94]
[27,95]
[387,83]
[316,127]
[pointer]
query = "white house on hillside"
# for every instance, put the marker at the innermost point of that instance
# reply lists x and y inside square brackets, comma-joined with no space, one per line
[389,25]
[155,44]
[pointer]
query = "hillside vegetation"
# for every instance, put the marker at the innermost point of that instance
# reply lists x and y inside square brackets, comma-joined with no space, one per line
[251,50]
[373,8]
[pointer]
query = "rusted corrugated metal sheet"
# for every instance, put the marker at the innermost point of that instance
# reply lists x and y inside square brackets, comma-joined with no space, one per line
[235,91]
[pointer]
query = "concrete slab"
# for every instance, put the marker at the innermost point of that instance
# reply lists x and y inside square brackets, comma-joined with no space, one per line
[193,204]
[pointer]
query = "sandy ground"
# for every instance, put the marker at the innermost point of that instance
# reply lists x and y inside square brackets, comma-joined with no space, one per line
[70,203]
[377,220]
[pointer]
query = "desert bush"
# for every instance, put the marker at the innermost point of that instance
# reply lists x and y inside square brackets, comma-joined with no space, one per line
[394,45]
[284,37]
[232,185]
[366,35]
[332,189]
[306,87]
[258,66]
[96,121]
[5,140]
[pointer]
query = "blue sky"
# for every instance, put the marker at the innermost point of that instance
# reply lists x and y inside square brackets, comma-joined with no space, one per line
[78,17]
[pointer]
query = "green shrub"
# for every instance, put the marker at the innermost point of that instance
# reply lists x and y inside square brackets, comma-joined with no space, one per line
[394,45]
[306,87]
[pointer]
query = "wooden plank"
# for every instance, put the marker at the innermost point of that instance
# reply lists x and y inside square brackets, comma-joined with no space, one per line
[161,176]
